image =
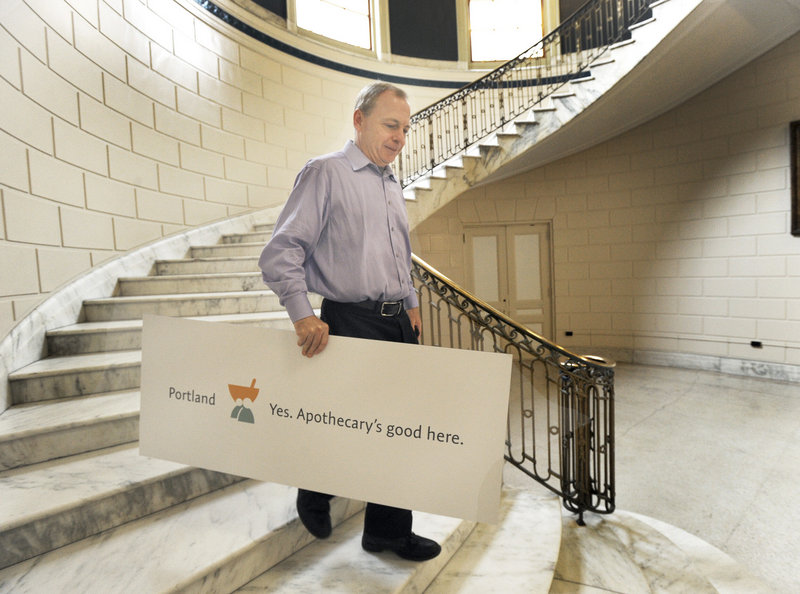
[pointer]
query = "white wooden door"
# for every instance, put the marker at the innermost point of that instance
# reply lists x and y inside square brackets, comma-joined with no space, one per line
[508,266]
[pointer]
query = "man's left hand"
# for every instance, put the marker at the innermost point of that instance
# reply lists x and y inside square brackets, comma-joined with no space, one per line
[416,320]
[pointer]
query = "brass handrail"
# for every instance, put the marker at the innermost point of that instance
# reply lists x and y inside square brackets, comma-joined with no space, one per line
[561,411]
[420,264]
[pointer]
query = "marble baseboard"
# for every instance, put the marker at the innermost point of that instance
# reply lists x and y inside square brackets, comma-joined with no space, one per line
[745,367]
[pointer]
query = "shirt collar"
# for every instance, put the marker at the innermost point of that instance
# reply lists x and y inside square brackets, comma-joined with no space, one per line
[358,160]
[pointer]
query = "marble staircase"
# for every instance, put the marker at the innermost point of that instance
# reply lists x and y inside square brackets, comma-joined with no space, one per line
[82,511]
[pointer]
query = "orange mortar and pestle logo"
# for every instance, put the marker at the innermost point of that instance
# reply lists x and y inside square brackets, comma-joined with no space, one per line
[240,394]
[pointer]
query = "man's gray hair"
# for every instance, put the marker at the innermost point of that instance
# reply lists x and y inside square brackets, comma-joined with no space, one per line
[369,95]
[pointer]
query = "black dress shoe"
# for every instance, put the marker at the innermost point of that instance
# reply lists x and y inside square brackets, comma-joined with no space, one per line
[315,513]
[411,547]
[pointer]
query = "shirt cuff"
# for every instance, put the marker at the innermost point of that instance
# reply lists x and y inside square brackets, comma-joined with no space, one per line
[411,301]
[298,306]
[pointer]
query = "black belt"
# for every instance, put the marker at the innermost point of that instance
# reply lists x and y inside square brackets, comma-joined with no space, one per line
[387,309]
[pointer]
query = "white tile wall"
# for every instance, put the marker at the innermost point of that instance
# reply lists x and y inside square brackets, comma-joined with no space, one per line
[78,148]
[85,229]
[124,120]
[675,235]
[18,268]
[29,219]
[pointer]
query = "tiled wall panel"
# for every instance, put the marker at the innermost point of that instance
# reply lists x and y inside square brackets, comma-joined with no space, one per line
[673,236]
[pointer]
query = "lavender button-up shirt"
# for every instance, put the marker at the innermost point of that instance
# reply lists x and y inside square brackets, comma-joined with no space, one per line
[343,234]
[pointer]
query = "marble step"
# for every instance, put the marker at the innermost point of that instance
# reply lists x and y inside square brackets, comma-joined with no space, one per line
[624,552]
[725,574]
[50,505]
[197,304]
[338,564]
[518,554]
[86,373]
[190,283]
[664,565]
[207,265]
[506,140]
[261,237]
[592,556]
[123,335]
[475,558]
[215,543]
[76,375]
[226,250]
[41,431]
[94,337]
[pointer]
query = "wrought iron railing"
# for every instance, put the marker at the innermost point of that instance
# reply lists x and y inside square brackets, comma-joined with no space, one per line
[561,411]
[448,127]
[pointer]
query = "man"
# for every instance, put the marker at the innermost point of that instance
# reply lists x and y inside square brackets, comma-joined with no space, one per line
[343,234]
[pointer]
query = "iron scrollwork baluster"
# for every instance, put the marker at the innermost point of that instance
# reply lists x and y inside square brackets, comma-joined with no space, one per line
[562,432]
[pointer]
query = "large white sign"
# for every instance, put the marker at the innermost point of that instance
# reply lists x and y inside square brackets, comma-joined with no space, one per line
[403,425]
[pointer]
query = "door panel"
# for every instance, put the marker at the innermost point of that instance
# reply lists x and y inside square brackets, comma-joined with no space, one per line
[526,266]
[529,276]
[487,274]
[485,257]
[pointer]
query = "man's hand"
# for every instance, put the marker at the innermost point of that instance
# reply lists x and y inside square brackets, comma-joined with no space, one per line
[312,335]
[416,319]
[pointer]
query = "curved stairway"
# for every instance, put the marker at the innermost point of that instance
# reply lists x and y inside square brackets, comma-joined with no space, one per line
[538,135]
[82,511]
[631,83]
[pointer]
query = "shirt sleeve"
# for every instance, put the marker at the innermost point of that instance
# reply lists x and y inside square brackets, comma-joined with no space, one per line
[412,300]
[294,239]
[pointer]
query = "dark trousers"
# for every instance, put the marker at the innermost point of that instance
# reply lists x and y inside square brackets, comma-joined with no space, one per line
[345,319]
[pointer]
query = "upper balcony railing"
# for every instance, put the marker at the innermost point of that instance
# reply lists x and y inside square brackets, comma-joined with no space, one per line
[448,127]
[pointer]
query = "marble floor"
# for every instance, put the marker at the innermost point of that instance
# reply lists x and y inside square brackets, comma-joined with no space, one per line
[718,456]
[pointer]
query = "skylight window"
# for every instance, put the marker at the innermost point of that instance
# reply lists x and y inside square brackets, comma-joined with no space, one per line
[502,29]
[347,21]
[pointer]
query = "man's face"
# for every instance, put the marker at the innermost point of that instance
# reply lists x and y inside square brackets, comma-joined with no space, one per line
[382,134]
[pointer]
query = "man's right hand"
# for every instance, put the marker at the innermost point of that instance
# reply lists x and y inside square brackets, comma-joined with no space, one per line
[312,335]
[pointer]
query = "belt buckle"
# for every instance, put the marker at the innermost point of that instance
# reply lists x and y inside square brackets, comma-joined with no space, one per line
[394,308]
